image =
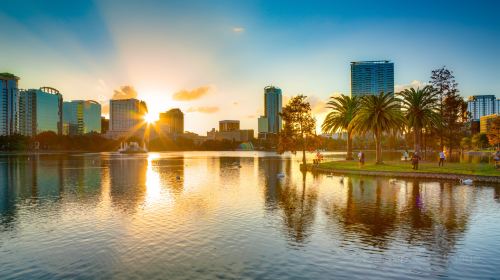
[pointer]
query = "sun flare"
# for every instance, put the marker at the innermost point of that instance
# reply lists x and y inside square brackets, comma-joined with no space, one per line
[150,117]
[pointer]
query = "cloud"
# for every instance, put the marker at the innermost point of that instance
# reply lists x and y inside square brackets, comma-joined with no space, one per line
[414,84]
[238,29]
[203,109]
[317,105]
[251,117]
[186,95]
[124,92]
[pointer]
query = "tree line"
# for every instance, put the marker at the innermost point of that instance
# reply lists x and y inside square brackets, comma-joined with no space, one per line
[435,116]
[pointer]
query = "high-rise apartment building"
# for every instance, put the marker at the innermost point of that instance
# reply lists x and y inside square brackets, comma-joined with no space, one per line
[372,77]
[272,109]
[172,121]
[81,117]
[482,105]
[40,110]
[9,104]
[127,117]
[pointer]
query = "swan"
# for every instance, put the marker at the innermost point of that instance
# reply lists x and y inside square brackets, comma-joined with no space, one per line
[466,181]
[280,175]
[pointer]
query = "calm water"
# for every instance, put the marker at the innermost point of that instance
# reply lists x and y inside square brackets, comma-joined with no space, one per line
[200,216]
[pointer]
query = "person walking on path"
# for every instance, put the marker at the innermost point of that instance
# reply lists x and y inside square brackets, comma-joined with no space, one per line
[442,157]
[414,160]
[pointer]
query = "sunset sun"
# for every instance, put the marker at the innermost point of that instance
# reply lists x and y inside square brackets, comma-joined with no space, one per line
[150,118]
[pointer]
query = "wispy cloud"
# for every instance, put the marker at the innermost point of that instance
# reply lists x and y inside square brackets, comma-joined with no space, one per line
[187,95]
[203,109]
[238,29]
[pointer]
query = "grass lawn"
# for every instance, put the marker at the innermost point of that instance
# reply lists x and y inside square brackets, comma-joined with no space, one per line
[424,167]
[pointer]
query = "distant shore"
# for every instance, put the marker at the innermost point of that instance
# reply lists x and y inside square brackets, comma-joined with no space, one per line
[481,172]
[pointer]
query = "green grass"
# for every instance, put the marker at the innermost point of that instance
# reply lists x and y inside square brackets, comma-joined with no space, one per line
[424,167]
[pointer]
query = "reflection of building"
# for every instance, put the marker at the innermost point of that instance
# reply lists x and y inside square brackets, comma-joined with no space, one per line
[272,109]
[229,125]
[372,77]
[486,121]
[81,117]
[40,110]
[482,105]
[171,122]
[9,104]
[127,117]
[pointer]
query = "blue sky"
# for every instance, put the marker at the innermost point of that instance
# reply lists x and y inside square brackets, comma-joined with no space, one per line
[228,51]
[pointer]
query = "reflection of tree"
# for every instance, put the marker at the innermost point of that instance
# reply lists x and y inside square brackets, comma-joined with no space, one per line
[128,182]
[299,208]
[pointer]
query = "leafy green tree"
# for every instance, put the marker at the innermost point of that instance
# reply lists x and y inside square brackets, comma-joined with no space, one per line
[420,110]
[465,143]
[479,141]
[343,108]
[494,133]
[378,114]
[299,127]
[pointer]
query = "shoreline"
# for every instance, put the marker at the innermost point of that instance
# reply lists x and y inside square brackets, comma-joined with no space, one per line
[403,174]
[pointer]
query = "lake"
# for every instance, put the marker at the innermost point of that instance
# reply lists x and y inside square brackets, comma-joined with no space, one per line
[206,215]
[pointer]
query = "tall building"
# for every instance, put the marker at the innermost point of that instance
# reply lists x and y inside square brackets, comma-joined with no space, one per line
[229,125]
[482,105]
[263,127]
[372,77]
[9,104]
[81,117]
[486,122]
[272,109]
[127,117]
[172,121]
[40,110]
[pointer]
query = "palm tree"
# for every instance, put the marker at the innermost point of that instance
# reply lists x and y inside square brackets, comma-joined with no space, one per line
[420,110]
[343,108]
[377,114]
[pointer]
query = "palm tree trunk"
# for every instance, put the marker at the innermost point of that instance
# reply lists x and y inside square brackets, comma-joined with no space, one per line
[349,146]
[416,144]
[378,147]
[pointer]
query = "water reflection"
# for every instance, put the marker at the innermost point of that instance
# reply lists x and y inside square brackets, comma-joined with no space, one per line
[173,210]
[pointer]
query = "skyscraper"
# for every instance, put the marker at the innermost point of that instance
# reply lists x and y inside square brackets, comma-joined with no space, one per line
[372,77]
[229,125]
[9,104]
[482,105]
[272,109]
[40,110]
[172,121]
[127,117]
[81,117]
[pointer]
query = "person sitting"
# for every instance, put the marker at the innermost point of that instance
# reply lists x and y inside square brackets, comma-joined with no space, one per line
[496,157]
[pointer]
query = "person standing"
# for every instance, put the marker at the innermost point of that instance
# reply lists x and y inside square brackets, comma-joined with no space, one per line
[405,155]
[442,157]
[414,160]
[361,158]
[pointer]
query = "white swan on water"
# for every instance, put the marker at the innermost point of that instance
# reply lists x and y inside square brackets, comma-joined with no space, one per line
[466,181]
[280,175]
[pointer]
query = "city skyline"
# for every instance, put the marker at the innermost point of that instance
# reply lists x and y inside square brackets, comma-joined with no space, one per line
[212,60]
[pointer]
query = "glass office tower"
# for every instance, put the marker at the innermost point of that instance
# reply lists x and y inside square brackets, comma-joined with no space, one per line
[9,104]
[372,77]
[127,117]
[482,105]
[40,110]
[81,117]
[272,108]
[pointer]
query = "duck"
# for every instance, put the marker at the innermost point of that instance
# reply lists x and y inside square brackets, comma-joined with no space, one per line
[466,181]
[177,177]
[342,179]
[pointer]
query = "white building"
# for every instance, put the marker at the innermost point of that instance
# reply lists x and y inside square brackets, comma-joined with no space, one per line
[126,117]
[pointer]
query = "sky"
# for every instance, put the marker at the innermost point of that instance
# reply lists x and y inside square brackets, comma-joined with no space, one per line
[212,59]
